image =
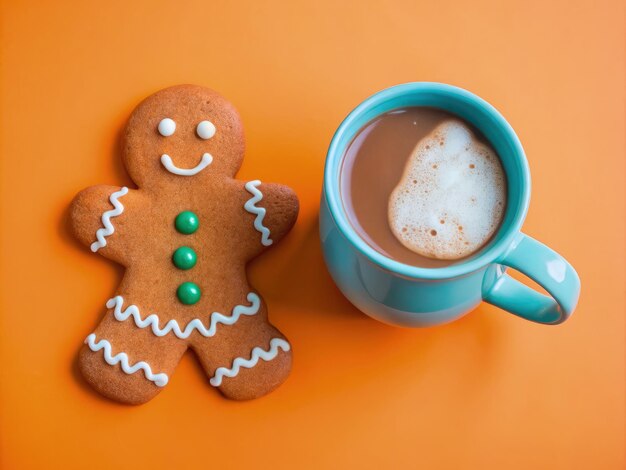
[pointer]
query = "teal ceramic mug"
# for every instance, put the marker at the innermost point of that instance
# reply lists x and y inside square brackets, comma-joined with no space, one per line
[405,295]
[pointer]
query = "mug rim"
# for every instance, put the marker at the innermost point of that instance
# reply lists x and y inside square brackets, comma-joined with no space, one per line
[332,191]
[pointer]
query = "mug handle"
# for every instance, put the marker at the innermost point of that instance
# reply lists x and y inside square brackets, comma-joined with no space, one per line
[548,269]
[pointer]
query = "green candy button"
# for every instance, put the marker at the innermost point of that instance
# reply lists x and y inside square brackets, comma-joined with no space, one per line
[188,293]
[184,258]
[187,222]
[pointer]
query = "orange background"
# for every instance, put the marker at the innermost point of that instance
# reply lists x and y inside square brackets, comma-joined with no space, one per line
[488,391]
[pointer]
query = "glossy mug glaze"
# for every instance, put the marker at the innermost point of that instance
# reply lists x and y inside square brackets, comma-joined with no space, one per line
[405,295]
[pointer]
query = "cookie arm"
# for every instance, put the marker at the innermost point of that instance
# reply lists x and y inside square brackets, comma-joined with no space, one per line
[273,208]
[97,218]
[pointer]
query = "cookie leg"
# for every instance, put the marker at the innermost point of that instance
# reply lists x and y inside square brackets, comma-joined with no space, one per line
[128,364]
[246,360]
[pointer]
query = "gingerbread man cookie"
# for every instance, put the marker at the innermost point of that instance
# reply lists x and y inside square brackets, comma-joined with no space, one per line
[184,237]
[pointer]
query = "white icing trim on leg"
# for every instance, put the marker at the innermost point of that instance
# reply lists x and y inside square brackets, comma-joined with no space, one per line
[250,206]
[108,228]
[152,320]
[160,380]
[257,353]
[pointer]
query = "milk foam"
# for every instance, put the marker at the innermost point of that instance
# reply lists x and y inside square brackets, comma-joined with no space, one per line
[451,197]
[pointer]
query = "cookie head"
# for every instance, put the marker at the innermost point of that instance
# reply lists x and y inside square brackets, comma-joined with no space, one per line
[182,135]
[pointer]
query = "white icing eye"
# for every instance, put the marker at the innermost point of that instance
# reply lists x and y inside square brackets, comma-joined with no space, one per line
[167,127]
[205,130]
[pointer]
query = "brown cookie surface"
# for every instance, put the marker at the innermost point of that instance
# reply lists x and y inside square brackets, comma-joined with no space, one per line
[184,236]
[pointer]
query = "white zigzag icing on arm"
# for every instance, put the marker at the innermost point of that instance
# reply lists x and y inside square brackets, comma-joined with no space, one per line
[257,353]
[160,380]
[250,206]
[152,320]
[108,228]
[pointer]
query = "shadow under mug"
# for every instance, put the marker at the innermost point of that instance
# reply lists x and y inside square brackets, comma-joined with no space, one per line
[405,295]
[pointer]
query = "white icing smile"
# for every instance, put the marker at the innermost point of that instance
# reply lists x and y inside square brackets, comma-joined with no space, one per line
[167,162]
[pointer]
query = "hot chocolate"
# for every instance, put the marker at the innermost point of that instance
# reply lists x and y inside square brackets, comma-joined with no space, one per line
[423,187]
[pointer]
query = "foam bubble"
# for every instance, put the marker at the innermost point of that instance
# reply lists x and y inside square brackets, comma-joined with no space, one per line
[451,197]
